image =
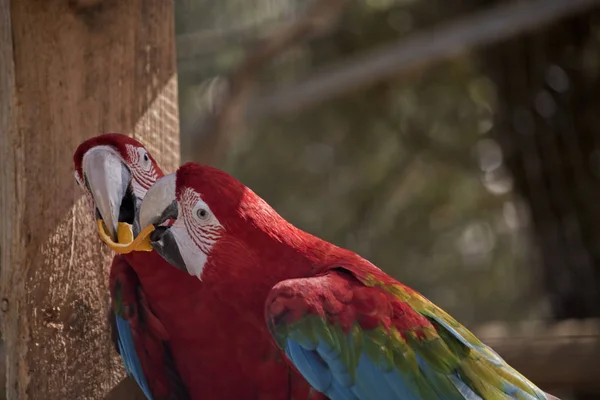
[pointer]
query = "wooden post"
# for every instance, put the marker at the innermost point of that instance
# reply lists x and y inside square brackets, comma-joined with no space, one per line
[70,69]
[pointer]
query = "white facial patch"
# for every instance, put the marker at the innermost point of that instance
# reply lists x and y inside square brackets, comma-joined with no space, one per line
[196,231]
[144,173]
[193,257]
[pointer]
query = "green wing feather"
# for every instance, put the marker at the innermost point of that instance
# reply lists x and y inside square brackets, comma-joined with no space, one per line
[454,348]
[359,335]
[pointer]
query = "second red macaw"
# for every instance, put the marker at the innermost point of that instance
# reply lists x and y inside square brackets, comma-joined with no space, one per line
[354,332]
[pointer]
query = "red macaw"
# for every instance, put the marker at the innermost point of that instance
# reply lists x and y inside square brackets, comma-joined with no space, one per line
[116,171]
[351,330]
[174,338]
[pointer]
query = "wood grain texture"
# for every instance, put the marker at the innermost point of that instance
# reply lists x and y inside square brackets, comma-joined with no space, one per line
[67,73]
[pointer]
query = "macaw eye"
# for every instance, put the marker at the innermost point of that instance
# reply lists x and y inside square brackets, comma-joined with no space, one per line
[145,159]
[201,213]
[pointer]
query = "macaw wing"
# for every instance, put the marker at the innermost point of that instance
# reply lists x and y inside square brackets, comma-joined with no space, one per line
[353,336]
[140,337]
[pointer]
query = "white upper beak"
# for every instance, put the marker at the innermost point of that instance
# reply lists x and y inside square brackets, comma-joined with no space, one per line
[108,179]
[159,199]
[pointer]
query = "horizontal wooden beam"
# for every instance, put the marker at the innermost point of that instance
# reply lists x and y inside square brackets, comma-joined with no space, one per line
[559,356]
[417,51]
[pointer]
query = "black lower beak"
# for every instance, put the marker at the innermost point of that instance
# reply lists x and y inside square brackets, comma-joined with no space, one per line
[135,222]
[164,243]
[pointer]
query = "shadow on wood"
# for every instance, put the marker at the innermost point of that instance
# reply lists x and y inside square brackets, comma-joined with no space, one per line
[127,389]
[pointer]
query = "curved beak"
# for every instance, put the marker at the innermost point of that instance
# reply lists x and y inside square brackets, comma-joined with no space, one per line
[107,179]
[160,203]
[159,206]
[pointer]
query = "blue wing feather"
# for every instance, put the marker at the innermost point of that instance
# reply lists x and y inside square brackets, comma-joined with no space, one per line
[327,374]
[140,337]
[129,356]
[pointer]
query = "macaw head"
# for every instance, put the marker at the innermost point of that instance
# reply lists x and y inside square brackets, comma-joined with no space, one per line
[116,171]
[199,208]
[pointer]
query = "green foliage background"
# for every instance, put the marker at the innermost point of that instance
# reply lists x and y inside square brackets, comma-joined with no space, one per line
[405,172]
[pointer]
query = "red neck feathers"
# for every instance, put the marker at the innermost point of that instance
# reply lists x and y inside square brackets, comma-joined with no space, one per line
[259,248]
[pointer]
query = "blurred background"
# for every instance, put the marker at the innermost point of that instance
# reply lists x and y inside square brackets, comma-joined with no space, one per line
[453,143]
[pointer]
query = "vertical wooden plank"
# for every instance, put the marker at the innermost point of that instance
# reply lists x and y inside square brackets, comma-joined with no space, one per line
[71,70]
[11,154]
